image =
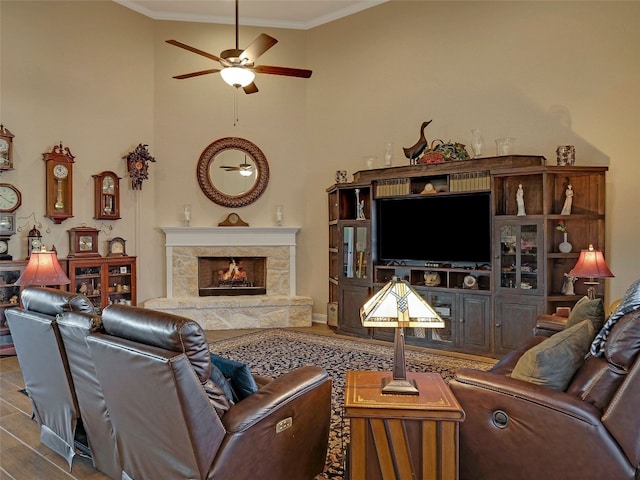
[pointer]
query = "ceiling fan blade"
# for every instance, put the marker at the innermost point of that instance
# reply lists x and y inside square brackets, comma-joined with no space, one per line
[289,72]
[260,45]
[192,49]
[229,168]
[251,88]
[196,74]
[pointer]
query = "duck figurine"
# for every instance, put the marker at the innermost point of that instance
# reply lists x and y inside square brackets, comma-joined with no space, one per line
[412,153]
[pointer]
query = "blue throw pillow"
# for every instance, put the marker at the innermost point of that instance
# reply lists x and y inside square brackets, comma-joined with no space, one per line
[242,382]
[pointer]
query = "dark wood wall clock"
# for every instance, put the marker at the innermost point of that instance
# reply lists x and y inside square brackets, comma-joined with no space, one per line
[6,149]
[106,186]
[83,242]
[138,165]
[59,196]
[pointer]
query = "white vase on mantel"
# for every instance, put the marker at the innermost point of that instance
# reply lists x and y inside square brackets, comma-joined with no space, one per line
[565,246]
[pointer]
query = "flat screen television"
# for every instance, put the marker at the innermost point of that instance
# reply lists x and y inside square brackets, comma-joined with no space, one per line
[435,228]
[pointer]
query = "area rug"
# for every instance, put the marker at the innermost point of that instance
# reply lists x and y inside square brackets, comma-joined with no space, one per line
[276,351]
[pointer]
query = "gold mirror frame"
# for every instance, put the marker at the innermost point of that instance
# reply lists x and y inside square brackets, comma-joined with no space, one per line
[207,185]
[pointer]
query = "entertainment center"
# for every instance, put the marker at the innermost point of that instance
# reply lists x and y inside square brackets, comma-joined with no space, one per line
[454,231]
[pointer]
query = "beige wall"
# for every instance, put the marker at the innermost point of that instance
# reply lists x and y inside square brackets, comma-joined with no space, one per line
[97,77]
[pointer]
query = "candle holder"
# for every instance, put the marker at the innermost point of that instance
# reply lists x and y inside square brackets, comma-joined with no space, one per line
[187,215]
[278,215]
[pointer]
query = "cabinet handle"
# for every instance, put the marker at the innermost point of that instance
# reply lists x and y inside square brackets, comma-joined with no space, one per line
[462,320]
[498,325]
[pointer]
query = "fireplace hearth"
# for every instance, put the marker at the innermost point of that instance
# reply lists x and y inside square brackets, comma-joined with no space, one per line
[278,306]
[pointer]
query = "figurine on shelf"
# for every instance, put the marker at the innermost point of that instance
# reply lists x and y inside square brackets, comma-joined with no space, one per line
[566,208]
[567,286]
[359,206]
[520,201]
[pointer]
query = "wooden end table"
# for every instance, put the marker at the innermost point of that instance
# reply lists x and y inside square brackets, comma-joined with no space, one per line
[402,436]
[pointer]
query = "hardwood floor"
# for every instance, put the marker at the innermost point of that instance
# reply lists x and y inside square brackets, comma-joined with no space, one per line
[23,457]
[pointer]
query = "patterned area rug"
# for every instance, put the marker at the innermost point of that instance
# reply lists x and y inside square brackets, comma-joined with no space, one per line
[274,352]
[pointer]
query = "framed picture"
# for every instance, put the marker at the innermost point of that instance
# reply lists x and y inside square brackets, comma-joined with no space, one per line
[123,269]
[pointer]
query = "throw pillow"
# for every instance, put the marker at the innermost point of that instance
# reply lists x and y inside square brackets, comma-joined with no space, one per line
[242,382]
[629,303]
[553,362]
[221,381]
[585,309]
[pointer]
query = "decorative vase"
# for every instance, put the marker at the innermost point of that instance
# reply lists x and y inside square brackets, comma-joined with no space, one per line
[565,247]
[477,142]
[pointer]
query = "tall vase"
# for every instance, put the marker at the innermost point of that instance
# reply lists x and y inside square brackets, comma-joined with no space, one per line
[565,247]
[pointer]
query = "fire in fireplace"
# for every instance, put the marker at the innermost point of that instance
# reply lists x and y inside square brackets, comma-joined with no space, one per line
[231,276]
[234,276]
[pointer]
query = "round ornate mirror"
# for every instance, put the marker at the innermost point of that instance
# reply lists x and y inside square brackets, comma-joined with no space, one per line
[233,172]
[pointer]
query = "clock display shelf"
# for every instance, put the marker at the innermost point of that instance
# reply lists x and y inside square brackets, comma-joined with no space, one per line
[450,277]
[104,280]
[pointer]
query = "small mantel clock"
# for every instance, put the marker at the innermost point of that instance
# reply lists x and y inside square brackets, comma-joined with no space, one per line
[59,196]
[6,149]
[83,242]
[34,241]
[106,186]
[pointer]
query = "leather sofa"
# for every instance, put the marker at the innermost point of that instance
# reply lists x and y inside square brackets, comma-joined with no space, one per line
[130,384]
[152,368]
[520,430]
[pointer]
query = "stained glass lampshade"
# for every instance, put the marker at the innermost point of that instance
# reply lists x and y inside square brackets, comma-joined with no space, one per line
[398,305]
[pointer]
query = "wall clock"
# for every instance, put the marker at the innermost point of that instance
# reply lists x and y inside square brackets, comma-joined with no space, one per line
[6,149]
[59,195]
[138,165]
[106,187]
[83,242]
[116,247]
[10,198]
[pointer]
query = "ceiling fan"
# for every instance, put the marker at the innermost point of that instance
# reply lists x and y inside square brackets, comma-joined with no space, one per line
[238,66]
[245,169]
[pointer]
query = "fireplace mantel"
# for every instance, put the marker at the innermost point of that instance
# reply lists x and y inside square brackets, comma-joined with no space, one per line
[211,237]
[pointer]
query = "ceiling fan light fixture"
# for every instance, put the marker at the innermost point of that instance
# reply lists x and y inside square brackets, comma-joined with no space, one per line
[237,76]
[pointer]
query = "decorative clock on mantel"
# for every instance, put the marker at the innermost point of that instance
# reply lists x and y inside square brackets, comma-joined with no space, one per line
[59,195]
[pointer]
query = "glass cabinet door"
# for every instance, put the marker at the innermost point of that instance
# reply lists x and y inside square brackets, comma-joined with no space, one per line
[355,251]
[519,258]
[444,305]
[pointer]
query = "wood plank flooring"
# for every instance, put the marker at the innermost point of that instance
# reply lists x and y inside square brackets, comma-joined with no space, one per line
[23,457]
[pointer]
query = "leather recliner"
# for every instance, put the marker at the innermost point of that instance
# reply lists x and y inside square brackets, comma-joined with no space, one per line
[518,430]
[152,367]
[74,327]
[45,368]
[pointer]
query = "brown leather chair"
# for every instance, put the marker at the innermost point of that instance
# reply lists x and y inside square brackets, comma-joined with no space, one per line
[45,368]
[152,367]
[518,430]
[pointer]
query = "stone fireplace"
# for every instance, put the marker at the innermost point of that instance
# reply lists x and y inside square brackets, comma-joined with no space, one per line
[277,305]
